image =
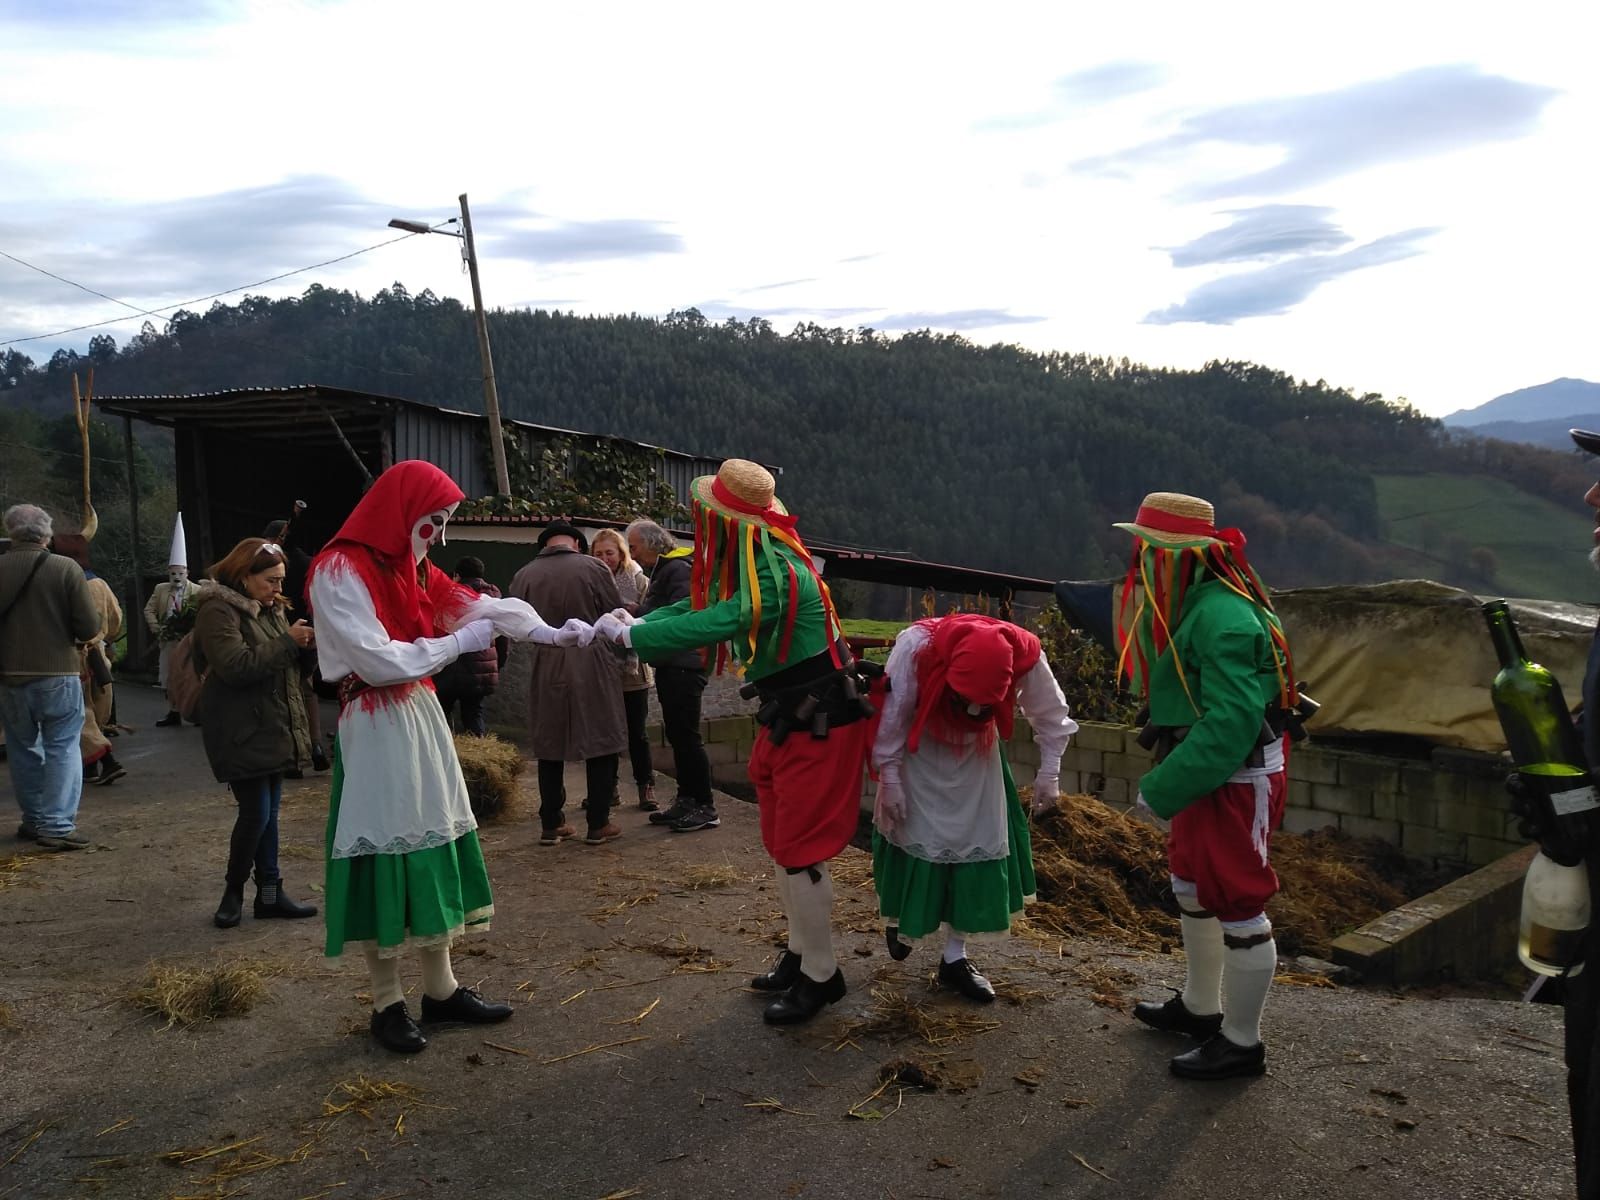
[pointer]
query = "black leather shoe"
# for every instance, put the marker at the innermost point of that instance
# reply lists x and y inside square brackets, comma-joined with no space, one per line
[963,977]
[395,1030]
[231,909]
[1218,1058]
[804,1000]
[283,906]
[782,976]
[466,1006]
[170,720]
[1174,1017]
[898,950]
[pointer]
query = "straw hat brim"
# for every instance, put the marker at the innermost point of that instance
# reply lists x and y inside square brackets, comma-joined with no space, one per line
[1164,538]
[700,489]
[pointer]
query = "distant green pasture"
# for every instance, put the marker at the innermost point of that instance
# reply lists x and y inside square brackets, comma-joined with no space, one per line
[1541,547]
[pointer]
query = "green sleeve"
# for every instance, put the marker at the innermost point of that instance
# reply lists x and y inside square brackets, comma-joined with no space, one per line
[674,609]
[229,656]
[1231,709]
[676,628]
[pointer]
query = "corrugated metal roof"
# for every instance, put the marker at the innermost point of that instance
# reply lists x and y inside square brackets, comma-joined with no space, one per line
[263,411]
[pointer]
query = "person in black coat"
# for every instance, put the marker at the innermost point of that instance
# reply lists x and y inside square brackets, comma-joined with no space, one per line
[681,678]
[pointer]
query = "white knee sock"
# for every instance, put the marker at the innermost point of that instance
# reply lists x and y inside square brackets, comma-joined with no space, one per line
[1202,947]
[438,980]
[811,916]
[385,976]
[1246,978]
[786,898]
[955,947]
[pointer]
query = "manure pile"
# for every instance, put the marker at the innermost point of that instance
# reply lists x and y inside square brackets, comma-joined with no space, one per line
[1103,874]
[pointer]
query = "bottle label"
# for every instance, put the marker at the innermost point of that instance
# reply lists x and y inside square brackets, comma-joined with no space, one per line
[1574,800]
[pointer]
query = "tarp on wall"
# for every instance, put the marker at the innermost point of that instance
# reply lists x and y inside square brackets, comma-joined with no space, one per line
[1413,657]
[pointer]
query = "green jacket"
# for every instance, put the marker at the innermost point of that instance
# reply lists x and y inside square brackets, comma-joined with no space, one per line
[41,634]
[678,627]
[1223,642]
[251,712]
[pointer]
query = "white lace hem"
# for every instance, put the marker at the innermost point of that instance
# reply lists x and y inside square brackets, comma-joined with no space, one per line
[946,855]
[408,843]
[985,937]
[477,920]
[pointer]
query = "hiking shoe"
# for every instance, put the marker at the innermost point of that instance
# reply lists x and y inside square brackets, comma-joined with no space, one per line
[699,817]
[608,832]
[63,841]
[27,833]
[680,809]
[551,837]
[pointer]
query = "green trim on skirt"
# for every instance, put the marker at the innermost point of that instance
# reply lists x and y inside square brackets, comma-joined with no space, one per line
[425,897]
[980,897]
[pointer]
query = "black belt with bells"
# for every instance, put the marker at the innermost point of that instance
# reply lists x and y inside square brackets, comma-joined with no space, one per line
[813,695]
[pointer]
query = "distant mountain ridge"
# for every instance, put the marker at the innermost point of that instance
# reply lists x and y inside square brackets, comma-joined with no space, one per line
[1545,402]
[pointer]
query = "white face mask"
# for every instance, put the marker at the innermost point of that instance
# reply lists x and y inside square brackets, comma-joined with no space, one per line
[177,575]
[429,530]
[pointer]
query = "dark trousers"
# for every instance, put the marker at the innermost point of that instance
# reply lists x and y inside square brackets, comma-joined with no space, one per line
[472,719]
[602,781]
[255,831]
[679,689]
[637,705]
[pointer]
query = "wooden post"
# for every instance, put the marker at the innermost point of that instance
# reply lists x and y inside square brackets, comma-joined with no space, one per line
[135,622]
[491,398]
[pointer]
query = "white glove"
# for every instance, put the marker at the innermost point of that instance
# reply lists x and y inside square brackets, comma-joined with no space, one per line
[609,628]
[575,633]
[1141,808]
[890,811]
[474,636]
[623,615]
[1046,793]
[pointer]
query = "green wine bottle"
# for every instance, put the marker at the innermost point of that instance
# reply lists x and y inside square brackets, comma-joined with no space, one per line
[1549,757]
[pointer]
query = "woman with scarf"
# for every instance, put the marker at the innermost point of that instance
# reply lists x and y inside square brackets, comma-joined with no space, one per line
[404,868]
[1204,648]
[951,848]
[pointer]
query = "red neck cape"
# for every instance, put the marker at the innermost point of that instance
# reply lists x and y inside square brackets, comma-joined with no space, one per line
[981,659]
[375,543]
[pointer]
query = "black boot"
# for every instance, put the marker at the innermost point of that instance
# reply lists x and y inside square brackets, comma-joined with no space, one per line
[782,976]
[232,907]
[804,1000]
[272,901]
[172,718]
[395,1030]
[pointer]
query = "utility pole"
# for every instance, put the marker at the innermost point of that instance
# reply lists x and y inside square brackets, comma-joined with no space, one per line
[491,398]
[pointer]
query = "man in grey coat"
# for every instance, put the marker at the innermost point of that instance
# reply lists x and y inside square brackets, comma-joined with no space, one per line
[575,702]
[46,612]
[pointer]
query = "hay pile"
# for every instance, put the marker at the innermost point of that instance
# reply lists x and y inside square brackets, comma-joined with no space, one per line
[1103,874]
[490,768]
[187,995]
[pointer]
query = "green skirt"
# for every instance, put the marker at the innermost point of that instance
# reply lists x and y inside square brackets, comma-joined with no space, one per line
[424,898]
[979,897]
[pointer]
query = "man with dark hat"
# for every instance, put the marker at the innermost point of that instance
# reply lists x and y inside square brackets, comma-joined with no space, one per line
[754,586]
[576,711]
[1205,649]
[1581,992]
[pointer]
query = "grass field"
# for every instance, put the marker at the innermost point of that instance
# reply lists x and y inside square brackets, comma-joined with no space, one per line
[1542,548]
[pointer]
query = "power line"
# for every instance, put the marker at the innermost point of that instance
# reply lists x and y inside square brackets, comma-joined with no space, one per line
[156,312]
[70,283]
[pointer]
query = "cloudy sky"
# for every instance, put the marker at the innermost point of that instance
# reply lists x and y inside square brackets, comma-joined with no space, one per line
[1398,198]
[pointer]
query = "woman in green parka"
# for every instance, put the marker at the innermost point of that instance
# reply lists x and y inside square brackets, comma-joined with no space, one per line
[252,715]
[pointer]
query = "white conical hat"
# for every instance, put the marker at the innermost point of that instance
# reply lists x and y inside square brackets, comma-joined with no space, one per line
[179,555]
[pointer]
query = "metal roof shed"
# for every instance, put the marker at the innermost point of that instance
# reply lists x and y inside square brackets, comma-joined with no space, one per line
[245,454]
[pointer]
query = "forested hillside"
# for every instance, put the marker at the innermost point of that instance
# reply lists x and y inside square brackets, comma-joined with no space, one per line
[991,456]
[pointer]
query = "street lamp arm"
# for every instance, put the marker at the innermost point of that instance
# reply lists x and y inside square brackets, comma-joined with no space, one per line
[420,227]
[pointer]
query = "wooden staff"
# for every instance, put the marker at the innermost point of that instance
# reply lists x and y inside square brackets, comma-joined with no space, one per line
[80,412]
